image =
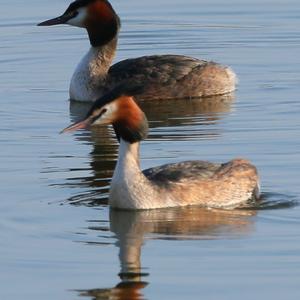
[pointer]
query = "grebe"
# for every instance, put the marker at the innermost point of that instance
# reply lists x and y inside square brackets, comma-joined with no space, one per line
[180,184]
[166,76]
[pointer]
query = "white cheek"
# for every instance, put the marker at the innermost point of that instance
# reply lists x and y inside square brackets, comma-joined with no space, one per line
[78,21]
[108,116]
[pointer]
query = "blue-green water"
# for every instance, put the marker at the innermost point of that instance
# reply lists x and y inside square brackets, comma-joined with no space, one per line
[58,239]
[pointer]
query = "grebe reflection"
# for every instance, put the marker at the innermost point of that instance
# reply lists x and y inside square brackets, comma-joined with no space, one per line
[132,229]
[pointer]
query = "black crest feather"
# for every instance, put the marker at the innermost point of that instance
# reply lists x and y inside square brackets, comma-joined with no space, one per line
[124,89]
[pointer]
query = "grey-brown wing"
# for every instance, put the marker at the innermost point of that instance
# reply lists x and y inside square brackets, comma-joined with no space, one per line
[181,172]
[158,73]
[172,76]
[165,68]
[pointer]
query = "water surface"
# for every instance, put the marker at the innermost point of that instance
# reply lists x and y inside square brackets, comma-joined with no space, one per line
[58,239]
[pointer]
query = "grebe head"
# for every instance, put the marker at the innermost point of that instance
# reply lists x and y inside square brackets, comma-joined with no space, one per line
[119,109]
[97,16]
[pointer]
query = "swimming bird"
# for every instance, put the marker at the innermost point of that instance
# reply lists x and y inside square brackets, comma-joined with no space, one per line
[178,184]
[166,76]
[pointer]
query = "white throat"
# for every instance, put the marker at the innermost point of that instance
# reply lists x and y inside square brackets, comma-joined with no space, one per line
[130,189]
[88,81]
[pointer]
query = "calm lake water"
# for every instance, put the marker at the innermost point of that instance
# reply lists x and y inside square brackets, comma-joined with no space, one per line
[58,239]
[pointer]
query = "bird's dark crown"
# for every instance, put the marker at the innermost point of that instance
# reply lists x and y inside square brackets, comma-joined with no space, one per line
[125,89]
[83,3]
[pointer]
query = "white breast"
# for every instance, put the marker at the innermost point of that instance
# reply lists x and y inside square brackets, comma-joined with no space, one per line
[130,189]
[87,79]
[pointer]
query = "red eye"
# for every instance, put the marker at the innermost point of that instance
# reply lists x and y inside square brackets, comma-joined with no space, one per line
[103,112]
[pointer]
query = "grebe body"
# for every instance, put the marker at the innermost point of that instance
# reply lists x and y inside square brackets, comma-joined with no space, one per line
[165,76]
[181,184]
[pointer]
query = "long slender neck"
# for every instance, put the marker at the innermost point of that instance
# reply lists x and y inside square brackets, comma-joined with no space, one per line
[103,57]
[129,156]
[130,189]
[88,80]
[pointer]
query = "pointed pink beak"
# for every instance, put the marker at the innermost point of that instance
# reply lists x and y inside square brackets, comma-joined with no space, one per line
[76,126]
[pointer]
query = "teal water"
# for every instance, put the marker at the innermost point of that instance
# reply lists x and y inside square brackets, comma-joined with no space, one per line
[58,239]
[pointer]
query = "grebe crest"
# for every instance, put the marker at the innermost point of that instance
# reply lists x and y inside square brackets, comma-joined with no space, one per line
[179,184]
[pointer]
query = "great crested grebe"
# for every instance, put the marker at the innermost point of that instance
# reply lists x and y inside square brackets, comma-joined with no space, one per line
[166,76]
[179,184]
